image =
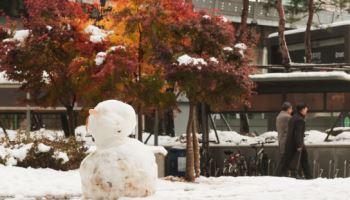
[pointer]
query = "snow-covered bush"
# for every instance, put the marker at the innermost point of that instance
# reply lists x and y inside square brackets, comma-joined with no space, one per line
[25,150]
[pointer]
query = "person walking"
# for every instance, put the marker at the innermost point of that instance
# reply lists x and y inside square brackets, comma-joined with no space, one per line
[295,151]
[282,129]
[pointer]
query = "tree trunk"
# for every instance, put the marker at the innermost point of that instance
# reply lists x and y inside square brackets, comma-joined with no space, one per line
[243,28]
[139,124]
[5,132]
[307,40]
[244,123]
[139,76]
[190,174]
[197,166]
[71,121]
[281,37]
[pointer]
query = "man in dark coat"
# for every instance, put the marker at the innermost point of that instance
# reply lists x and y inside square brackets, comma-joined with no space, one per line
[295,151]
[282,129]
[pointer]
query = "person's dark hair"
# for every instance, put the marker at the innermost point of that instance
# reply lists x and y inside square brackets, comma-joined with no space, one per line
[300,106]
[286,105]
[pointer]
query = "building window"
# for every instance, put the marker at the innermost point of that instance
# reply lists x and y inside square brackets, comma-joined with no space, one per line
[12,8]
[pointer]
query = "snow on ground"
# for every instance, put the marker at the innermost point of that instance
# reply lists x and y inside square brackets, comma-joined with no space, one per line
[38,182]
[20,183]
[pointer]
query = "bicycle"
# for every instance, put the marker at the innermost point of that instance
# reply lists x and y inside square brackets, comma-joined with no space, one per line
[235,164]
[258,164]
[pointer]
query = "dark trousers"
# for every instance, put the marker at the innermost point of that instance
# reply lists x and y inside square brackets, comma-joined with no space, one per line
[285,162]
[281,169]
[304,164]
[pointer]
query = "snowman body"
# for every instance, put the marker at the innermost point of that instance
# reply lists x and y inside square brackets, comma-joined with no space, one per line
[120,166]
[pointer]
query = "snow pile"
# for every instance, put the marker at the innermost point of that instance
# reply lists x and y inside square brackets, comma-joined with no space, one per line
[61,156]
[100,58]
[269,136]
[343,136]
[230,137]
[162,140]
[187,60]
[43,133]
[336,129]
[43,148]
[19,153]
[97,35]
[314,137]
[10,133]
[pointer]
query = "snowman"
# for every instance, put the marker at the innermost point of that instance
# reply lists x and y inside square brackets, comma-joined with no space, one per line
[120,166]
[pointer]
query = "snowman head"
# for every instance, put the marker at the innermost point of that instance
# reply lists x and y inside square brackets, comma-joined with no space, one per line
[110,122]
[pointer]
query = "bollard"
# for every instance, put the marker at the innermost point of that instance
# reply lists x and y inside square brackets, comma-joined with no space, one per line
[273,169]
[217,172]
[211,163]
[314,169]
[321,172]
[345,168]
[330,168]
[336,173]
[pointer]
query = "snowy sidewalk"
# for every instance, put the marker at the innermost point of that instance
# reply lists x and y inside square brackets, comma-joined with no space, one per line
[20,183]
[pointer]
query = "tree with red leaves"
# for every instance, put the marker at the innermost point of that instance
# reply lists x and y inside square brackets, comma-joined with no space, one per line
[54,57]
[152,25]
[215,73]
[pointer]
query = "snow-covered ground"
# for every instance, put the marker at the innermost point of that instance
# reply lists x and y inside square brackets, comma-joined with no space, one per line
[19,183]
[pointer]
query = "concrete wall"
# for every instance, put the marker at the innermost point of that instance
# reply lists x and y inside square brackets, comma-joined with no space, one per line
[326,158]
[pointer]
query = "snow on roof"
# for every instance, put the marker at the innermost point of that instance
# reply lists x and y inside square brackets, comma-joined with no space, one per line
[301,76]
[322,26]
